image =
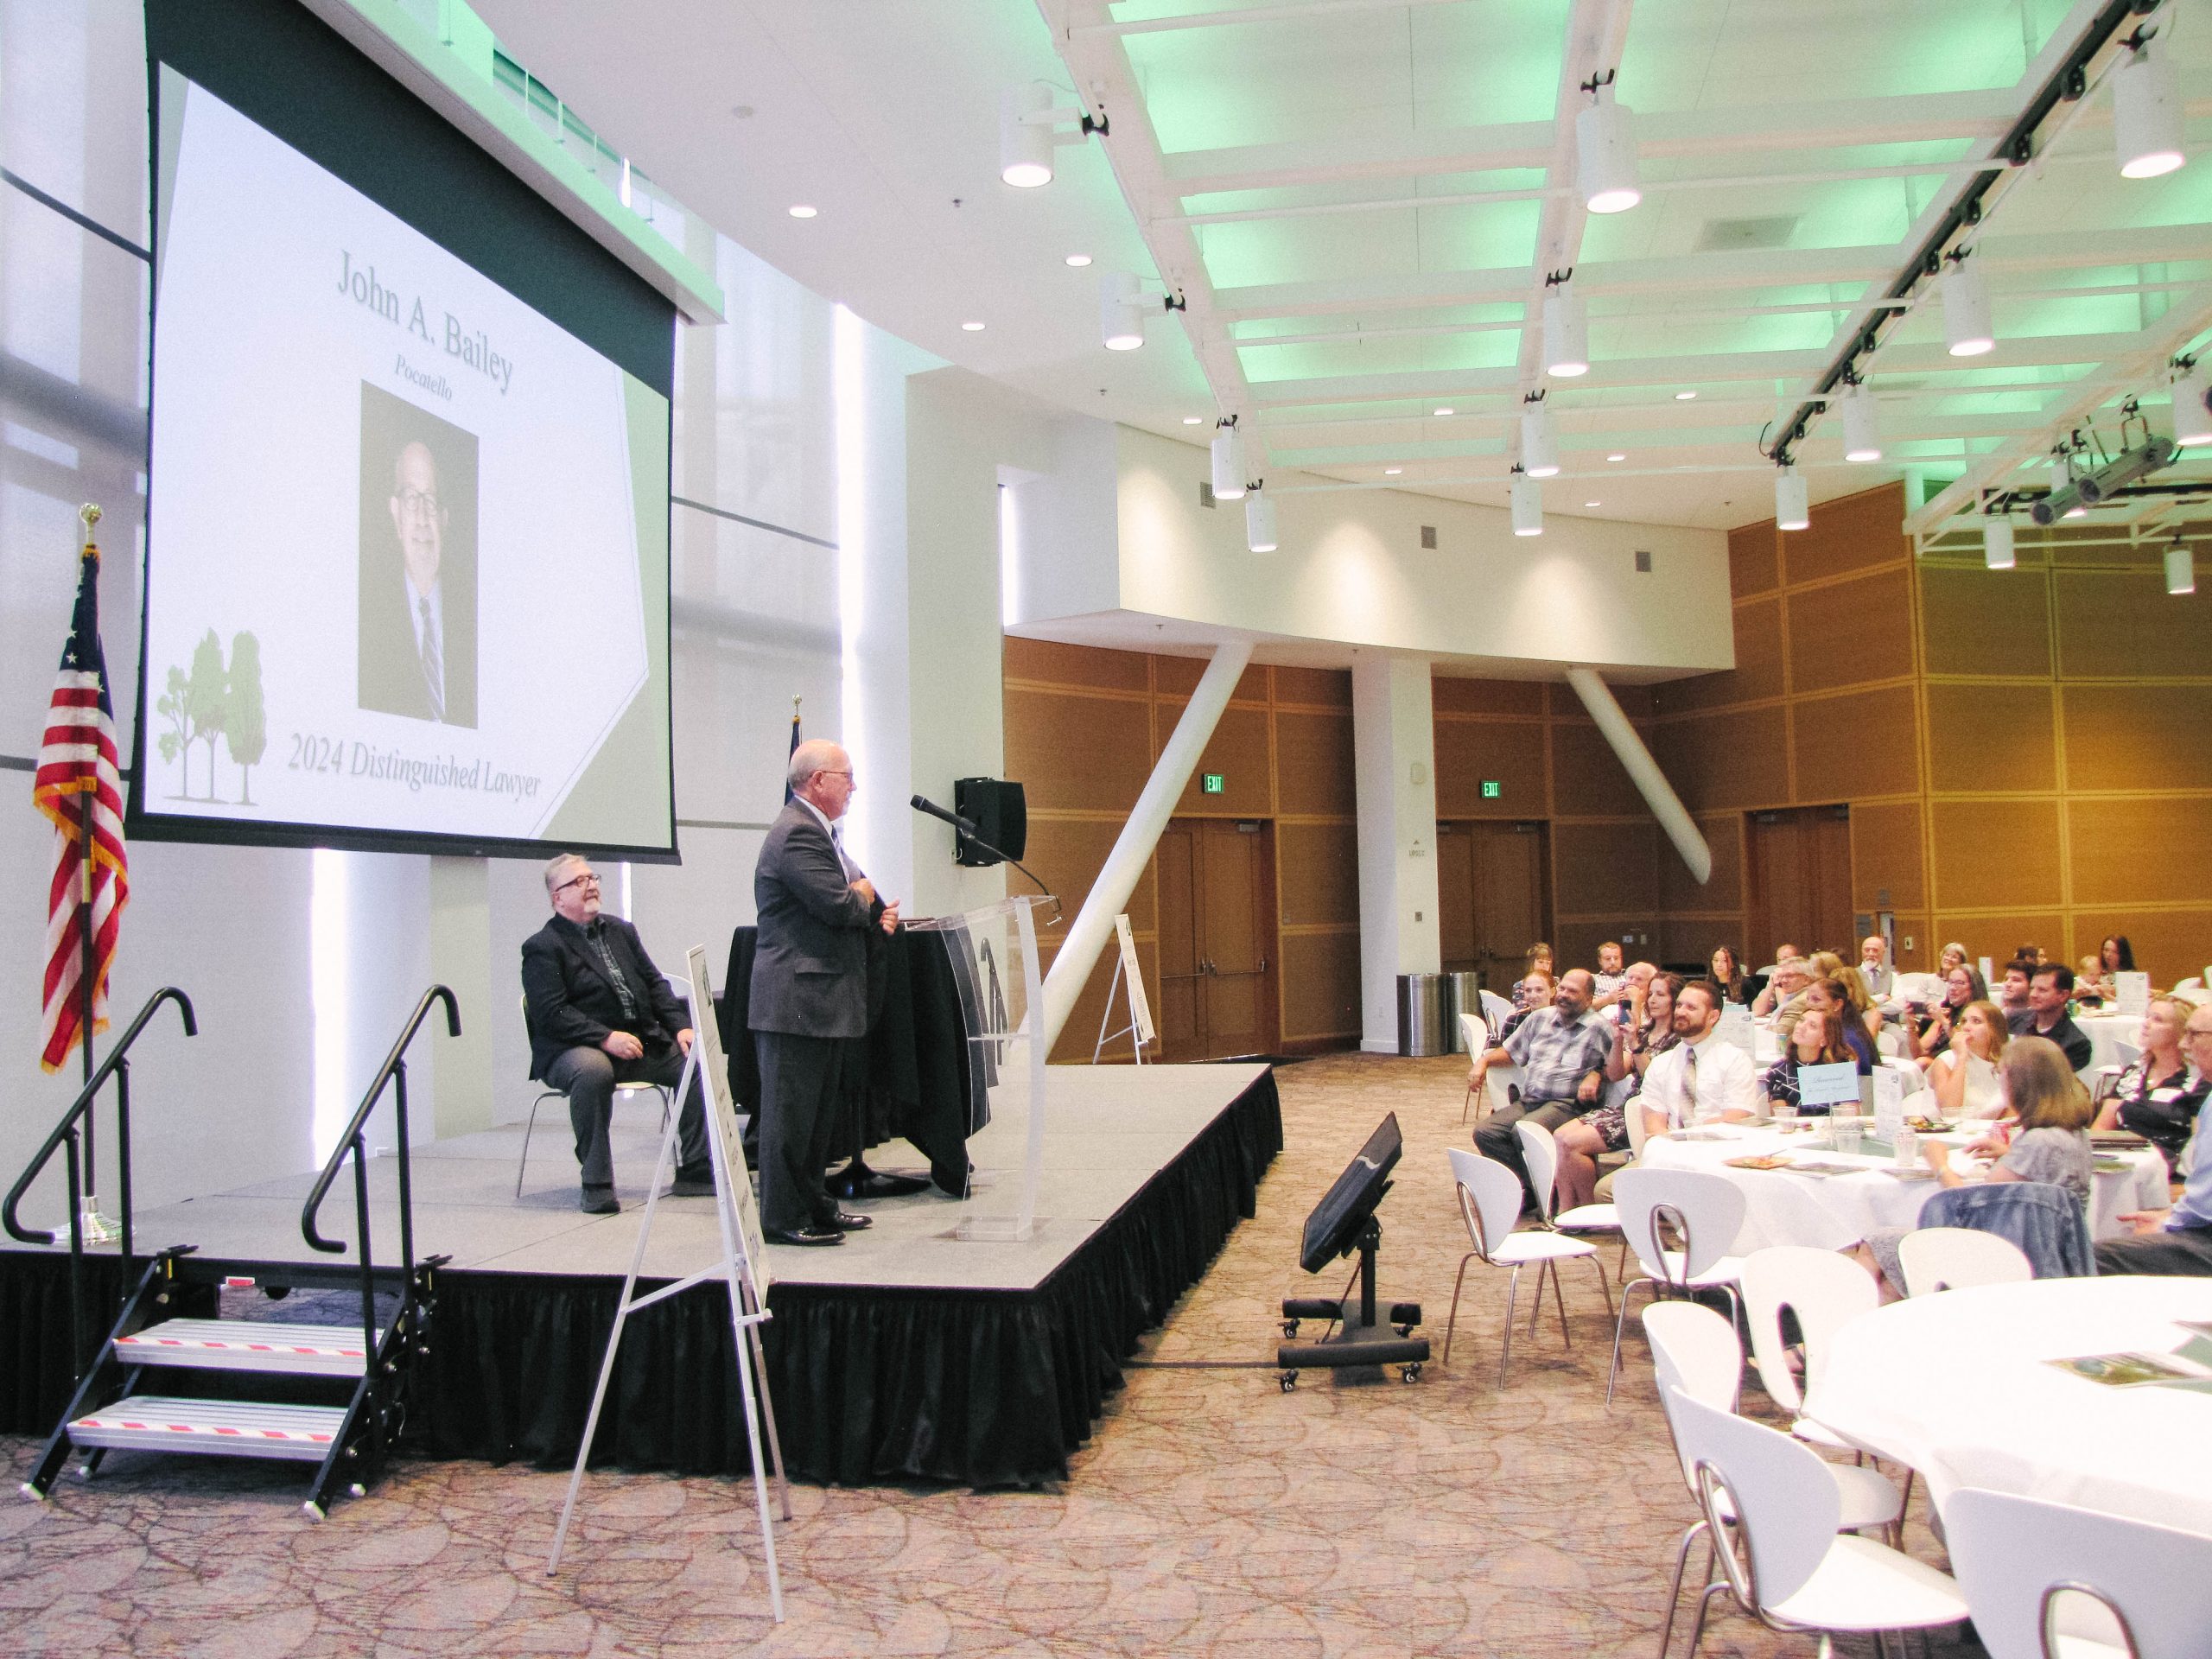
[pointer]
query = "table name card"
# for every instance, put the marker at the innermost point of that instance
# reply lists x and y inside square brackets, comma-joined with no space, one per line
[1828,1085]
[1888,1103]
[2133,992]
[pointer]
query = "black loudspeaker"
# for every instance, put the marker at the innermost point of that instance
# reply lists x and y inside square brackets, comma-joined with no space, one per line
[1000,815]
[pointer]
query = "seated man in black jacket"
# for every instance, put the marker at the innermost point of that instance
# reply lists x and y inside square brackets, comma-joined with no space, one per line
[2050,986]
[601,1014]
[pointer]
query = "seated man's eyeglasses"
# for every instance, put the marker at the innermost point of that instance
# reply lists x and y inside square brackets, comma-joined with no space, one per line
[590,876]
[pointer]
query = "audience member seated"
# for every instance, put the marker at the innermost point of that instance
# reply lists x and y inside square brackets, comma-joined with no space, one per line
[2157,1097]
[1628,1009]
[1635,1046]
[1951,956]
[2045,1015]
[1533,993]
[2179,1240]
[1931,1029]
[1834,997]
[2013,991]
[1784,998]
[1606,982]
[1860,1000]
[1817,1040]
[1874,966]
[1726,972]
[1700,1079]
[1561,1052]
[1965,1077]
[1539,962]
[2048,1142]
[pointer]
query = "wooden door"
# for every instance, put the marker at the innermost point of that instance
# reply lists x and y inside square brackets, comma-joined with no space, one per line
[1216,939]
[1509,897]
[1455,897]
[1800,869]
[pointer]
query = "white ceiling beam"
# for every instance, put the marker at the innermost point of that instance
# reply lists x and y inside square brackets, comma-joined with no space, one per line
[1293,11]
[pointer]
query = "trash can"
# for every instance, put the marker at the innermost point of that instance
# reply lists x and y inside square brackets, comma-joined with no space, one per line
[1421,1024]
[1461,996]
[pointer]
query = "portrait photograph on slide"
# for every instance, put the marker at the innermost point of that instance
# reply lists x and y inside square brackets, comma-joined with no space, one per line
[418,563]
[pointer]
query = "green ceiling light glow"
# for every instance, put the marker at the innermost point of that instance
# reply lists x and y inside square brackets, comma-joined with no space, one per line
[2146,123]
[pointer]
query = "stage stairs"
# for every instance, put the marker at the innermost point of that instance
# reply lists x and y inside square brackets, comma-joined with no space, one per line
[167,1379]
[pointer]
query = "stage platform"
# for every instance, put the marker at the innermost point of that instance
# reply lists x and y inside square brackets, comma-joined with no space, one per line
[903,1353]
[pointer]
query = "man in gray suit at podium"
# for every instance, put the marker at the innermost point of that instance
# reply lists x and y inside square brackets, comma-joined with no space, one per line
[809,991]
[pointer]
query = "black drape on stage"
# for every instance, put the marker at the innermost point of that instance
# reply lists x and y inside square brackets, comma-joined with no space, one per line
[909,1077]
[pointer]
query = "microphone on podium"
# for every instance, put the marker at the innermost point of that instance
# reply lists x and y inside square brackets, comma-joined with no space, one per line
[924,805]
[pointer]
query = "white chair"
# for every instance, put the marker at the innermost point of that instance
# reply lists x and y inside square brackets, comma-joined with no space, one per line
[1539,1154]
[622,1090]
[1704,1209]
[2016,1556]
[1959,1258]
[1694,1352]
[1496,1009]
[1776,1515]
[1476,1036]
[1825,1292]
[1489,1203]
[1890,1044]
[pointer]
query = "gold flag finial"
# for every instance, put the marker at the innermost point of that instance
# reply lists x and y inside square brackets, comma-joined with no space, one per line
[90,512]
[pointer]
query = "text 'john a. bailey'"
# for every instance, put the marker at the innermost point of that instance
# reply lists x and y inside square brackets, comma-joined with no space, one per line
[471,347]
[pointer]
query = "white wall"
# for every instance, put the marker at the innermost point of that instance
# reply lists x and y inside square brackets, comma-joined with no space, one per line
[1394,775]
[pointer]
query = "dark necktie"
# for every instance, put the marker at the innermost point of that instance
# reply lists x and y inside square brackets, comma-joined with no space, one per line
[597,934]
[1689,1085]
[434,678]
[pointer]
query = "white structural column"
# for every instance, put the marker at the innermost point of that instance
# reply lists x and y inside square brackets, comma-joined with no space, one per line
[1643,771]
[1394,747]
[1117,880]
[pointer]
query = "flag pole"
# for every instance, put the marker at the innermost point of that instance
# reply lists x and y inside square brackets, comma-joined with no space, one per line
[97,1228]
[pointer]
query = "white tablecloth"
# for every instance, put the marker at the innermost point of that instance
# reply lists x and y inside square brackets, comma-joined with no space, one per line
[2106,1032]
[1953,1384]
[1835,1212]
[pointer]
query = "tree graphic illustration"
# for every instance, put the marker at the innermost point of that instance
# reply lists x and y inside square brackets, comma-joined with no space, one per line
[175,743]
[205,697]
[245,719]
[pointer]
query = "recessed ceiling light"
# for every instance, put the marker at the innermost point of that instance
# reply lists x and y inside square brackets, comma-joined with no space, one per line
[1593,504]
[1079,260]
[1684,396]
[1617,455]
[973,328]
[1194,419]
[1392,472]
[1444,411]
[801,210]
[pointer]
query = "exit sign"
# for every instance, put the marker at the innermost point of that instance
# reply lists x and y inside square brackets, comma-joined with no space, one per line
[1492,789]
[1212,783]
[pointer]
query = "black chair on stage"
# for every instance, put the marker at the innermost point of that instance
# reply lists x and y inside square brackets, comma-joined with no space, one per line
[622,1090]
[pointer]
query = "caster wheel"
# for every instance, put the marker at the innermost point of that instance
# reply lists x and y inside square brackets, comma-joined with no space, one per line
[1290,1327]
[1287,1380]
[1411,1374]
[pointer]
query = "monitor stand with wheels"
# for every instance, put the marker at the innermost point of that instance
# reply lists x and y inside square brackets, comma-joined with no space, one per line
[1345,1221]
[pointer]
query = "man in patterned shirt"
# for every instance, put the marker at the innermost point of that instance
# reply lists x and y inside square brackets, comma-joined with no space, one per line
[1561,1051]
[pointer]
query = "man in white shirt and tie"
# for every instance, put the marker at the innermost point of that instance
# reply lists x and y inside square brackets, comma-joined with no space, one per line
[418,624]
[1700,1078]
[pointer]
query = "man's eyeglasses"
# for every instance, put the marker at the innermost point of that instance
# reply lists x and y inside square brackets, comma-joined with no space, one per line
[835,771]
[588,877]
[423,503]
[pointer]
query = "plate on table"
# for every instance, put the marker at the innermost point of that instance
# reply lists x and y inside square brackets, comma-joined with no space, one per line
[1767,1161]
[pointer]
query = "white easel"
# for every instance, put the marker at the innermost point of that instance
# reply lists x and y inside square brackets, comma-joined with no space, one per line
[1139,1030]
[743,1267]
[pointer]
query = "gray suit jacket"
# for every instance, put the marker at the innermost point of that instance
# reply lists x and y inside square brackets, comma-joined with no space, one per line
[809,967]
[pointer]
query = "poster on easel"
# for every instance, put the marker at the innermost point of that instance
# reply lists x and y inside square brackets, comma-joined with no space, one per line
[1140,1009]
[722,1113]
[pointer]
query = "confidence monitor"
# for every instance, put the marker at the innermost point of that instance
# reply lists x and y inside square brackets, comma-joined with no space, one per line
[1334,1227]
[407,535]
[1343,1222]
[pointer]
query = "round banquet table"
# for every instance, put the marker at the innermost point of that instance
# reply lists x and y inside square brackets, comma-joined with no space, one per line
[2105,1033]
[1833,1212]
[1953,1385]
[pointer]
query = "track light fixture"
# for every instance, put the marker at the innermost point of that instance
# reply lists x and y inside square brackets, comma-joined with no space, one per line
[1566,327]
[1528,499]
[1539,452]
[1605,150]
[2181,567]
[1862,437]
[1028,131]
[2192,402]
[1228,461]
[1260,520]
[1996,542]
[1966,330]
[1792,504]
[2146,113]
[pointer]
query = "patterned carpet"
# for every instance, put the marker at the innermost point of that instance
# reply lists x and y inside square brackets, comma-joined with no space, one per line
[1210,1514]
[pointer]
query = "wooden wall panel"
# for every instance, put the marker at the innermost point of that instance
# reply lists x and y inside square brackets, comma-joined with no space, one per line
[1754,559]
[1861,744]
[1997,936]
[2137,736]
[1320,986]
[2170,945]
[1606,869]
[1178,676]
[1995,854]
[1689,940]
[1067,854]
[1314,763]
[1452,696]
[1980,621]
[1757,673]
[1322,688]
[2138,852]
[1886,857]
[1511,751]
[1920,956]
[1053,664]
[1848,534]
[1678,890]
[1238,750]
[1730,760]
[1081,753]
[2124,624]
[1588,780]
[1317,870]
[1850,633]
[1985,739]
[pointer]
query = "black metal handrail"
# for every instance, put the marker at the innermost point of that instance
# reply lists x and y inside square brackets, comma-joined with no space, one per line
[117,1065]
[351,1141]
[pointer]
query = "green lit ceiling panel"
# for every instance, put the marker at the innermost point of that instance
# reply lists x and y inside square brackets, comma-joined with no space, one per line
[1255,251]
[1264,364]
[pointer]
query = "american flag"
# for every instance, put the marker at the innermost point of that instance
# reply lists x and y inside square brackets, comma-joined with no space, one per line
[78,759]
